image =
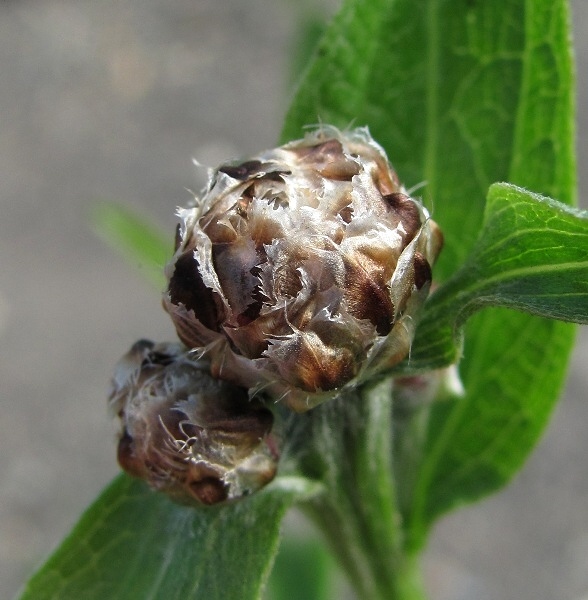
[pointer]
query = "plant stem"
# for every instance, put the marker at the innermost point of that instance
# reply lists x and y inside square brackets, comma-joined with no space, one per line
[373,577]
[352,454]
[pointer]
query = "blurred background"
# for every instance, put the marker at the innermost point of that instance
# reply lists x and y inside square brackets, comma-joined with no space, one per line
[111,101]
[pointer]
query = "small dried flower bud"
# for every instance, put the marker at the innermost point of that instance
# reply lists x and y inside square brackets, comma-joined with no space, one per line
[198,439]
[301,270]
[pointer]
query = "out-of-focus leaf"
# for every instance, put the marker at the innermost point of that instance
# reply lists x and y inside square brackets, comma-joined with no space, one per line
[303,569]
[142,244]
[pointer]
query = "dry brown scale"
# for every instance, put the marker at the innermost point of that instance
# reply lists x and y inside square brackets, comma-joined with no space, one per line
[298,275]
[301,270]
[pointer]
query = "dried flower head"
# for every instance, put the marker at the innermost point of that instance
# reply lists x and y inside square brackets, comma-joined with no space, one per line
[196,438]
[301,270]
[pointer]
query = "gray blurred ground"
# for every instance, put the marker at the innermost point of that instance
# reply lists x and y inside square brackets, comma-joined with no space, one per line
[111,100]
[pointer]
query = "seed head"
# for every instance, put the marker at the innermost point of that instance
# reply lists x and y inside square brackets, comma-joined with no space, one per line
[198,439]
[301,270]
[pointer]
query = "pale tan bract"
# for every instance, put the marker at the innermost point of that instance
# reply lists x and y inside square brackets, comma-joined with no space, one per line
[301,271]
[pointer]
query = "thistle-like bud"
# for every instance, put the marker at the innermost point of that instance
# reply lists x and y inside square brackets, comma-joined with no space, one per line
[198,439]
[301,271]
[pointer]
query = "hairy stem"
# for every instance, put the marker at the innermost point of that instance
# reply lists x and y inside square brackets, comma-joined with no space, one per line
[358,514]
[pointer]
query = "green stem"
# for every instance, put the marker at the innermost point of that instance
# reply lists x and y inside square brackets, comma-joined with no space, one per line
[359,515]
[373,577]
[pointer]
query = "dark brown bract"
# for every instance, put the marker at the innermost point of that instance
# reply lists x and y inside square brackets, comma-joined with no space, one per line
[301,271]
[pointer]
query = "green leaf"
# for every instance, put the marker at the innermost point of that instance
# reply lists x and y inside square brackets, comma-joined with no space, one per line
[463,93]
[303,569]
[134,543]
[142,244]
[476,443]
[533,252]
[532,255]
[311,24]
